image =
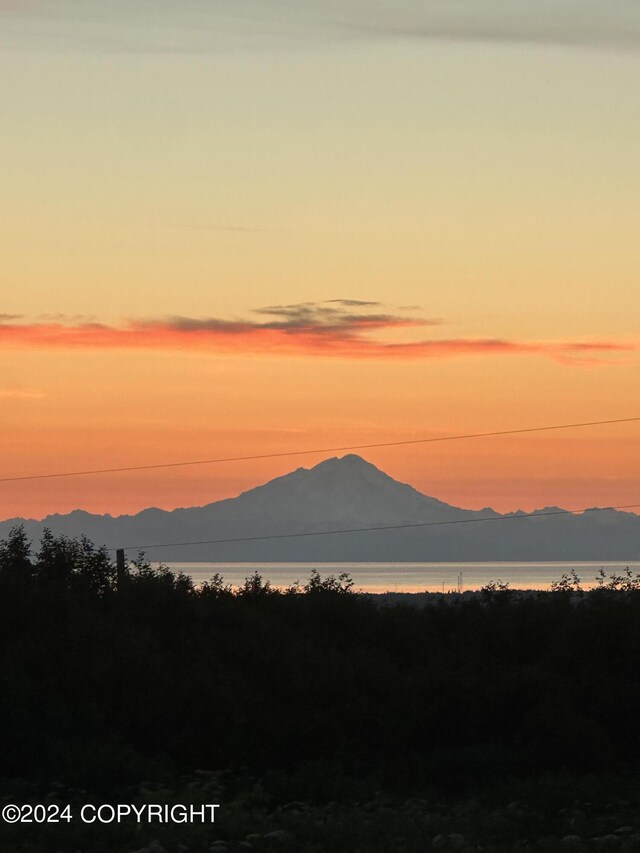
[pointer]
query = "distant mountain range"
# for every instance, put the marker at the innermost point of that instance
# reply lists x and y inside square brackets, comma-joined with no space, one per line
[346,493]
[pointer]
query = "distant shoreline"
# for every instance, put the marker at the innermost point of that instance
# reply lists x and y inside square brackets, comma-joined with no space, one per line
[397,578]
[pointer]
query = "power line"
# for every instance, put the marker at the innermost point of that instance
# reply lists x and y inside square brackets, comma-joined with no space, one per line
[316,450]
[380,527]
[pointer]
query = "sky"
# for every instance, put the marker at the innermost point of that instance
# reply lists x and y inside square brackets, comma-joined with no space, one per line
[241,228]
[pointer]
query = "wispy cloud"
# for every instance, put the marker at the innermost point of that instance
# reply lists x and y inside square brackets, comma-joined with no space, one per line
[306,329]
[21,393]
[67,318]
[319,319]
[567,22]
[205,25]
[351,303]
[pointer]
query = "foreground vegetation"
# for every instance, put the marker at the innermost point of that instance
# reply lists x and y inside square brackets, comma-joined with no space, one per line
[318,719]
[556,813]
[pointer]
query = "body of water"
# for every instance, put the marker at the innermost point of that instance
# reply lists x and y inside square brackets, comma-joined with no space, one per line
[410,577]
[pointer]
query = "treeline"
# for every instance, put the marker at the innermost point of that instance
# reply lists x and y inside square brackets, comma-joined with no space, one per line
[101,687]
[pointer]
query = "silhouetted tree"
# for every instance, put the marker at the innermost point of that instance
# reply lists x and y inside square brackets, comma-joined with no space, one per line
[316,584]
[568,583]
[104,686]
[15,559]
[254,586]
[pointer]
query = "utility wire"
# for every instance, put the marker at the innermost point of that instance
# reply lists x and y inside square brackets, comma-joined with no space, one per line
[380,527]
[316,450]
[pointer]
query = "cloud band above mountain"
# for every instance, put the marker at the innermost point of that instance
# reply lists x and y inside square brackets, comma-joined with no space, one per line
[305,329]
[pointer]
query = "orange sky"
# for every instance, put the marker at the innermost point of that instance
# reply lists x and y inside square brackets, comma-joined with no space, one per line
[86,409]
[229,236]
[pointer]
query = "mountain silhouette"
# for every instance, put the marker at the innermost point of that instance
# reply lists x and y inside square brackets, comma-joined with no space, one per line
[340,494]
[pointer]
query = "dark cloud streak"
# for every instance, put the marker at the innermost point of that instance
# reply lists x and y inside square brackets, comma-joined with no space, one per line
[352,303]
[305,329]
[318,319]
[304,318]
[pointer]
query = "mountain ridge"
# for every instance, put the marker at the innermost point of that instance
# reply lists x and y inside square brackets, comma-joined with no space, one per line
[348,492]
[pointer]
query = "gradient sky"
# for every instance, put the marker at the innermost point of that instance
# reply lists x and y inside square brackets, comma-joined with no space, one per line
[234,227]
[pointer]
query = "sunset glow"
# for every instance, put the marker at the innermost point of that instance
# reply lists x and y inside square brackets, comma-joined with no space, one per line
[238,234]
